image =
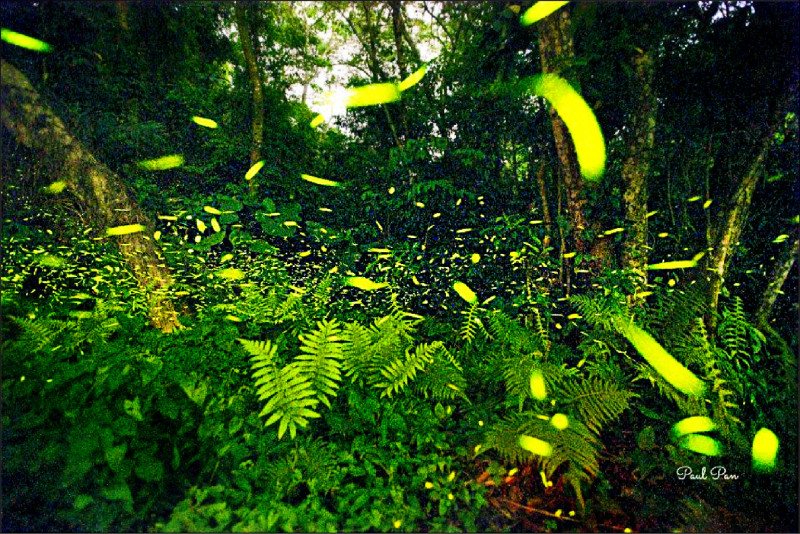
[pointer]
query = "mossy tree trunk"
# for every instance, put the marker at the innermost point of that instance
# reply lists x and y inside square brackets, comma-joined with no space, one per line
[780,272]
[636,167]
[555,50]
[246,40]
[729,229]
[98,189]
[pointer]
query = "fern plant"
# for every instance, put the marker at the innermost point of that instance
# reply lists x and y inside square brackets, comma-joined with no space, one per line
[513,338]
[469,327]
[593,403]
[677,318]
[320,360]
[382,356]
[37,333]
[287,391]
[597,401]
[397,372]
[443,379]
[574,446]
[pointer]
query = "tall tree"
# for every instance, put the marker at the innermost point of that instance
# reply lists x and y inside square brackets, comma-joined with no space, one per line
[556,51]
[729,228]
[636,166]
[254,75]
[102,193]
[758,104]
[783,265]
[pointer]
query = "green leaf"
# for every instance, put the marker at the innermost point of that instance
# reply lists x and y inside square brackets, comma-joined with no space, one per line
[229,204]
[151,368]
[646,440]
[282,427]
[149,469]
[196,391]
[117,492]
[133,409]
[82,501]
[115,455]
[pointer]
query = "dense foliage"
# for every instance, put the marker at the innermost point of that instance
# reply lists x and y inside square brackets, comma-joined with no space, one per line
[388,353]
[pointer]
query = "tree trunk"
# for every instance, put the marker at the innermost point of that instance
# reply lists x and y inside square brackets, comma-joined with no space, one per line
[779,274]
[548,220]
[730,229]
[369,43]
[636,166]
[555,44]
[101,192]
[245,38]
[398,30]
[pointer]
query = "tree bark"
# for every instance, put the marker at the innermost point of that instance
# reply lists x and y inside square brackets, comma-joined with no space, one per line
[246,39]
[555,45]
[398,30]
[548,220]
[98,189]
[779,274]
[636,167]
[730,228]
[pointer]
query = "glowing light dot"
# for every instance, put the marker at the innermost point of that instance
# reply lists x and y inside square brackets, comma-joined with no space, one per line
[765,449]
[538,389]
[535,445]
[560,421]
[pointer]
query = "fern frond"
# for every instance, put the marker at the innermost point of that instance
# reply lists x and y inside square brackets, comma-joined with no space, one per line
[602,311]
[450,358]
[598,401]
[673,313]
[443,378]
[322,293]
[501,326]
[289,308]
[38,333]
[398,372]
[357,350]
[321,359]
[517,374]
[286,390]
[404,321]
[391,336]
[733,328]
[541,331]
[262,352]
[688,404]
[287,394]
[574,444]
[512,337]
[504,435]
[469,327]
[101,330]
